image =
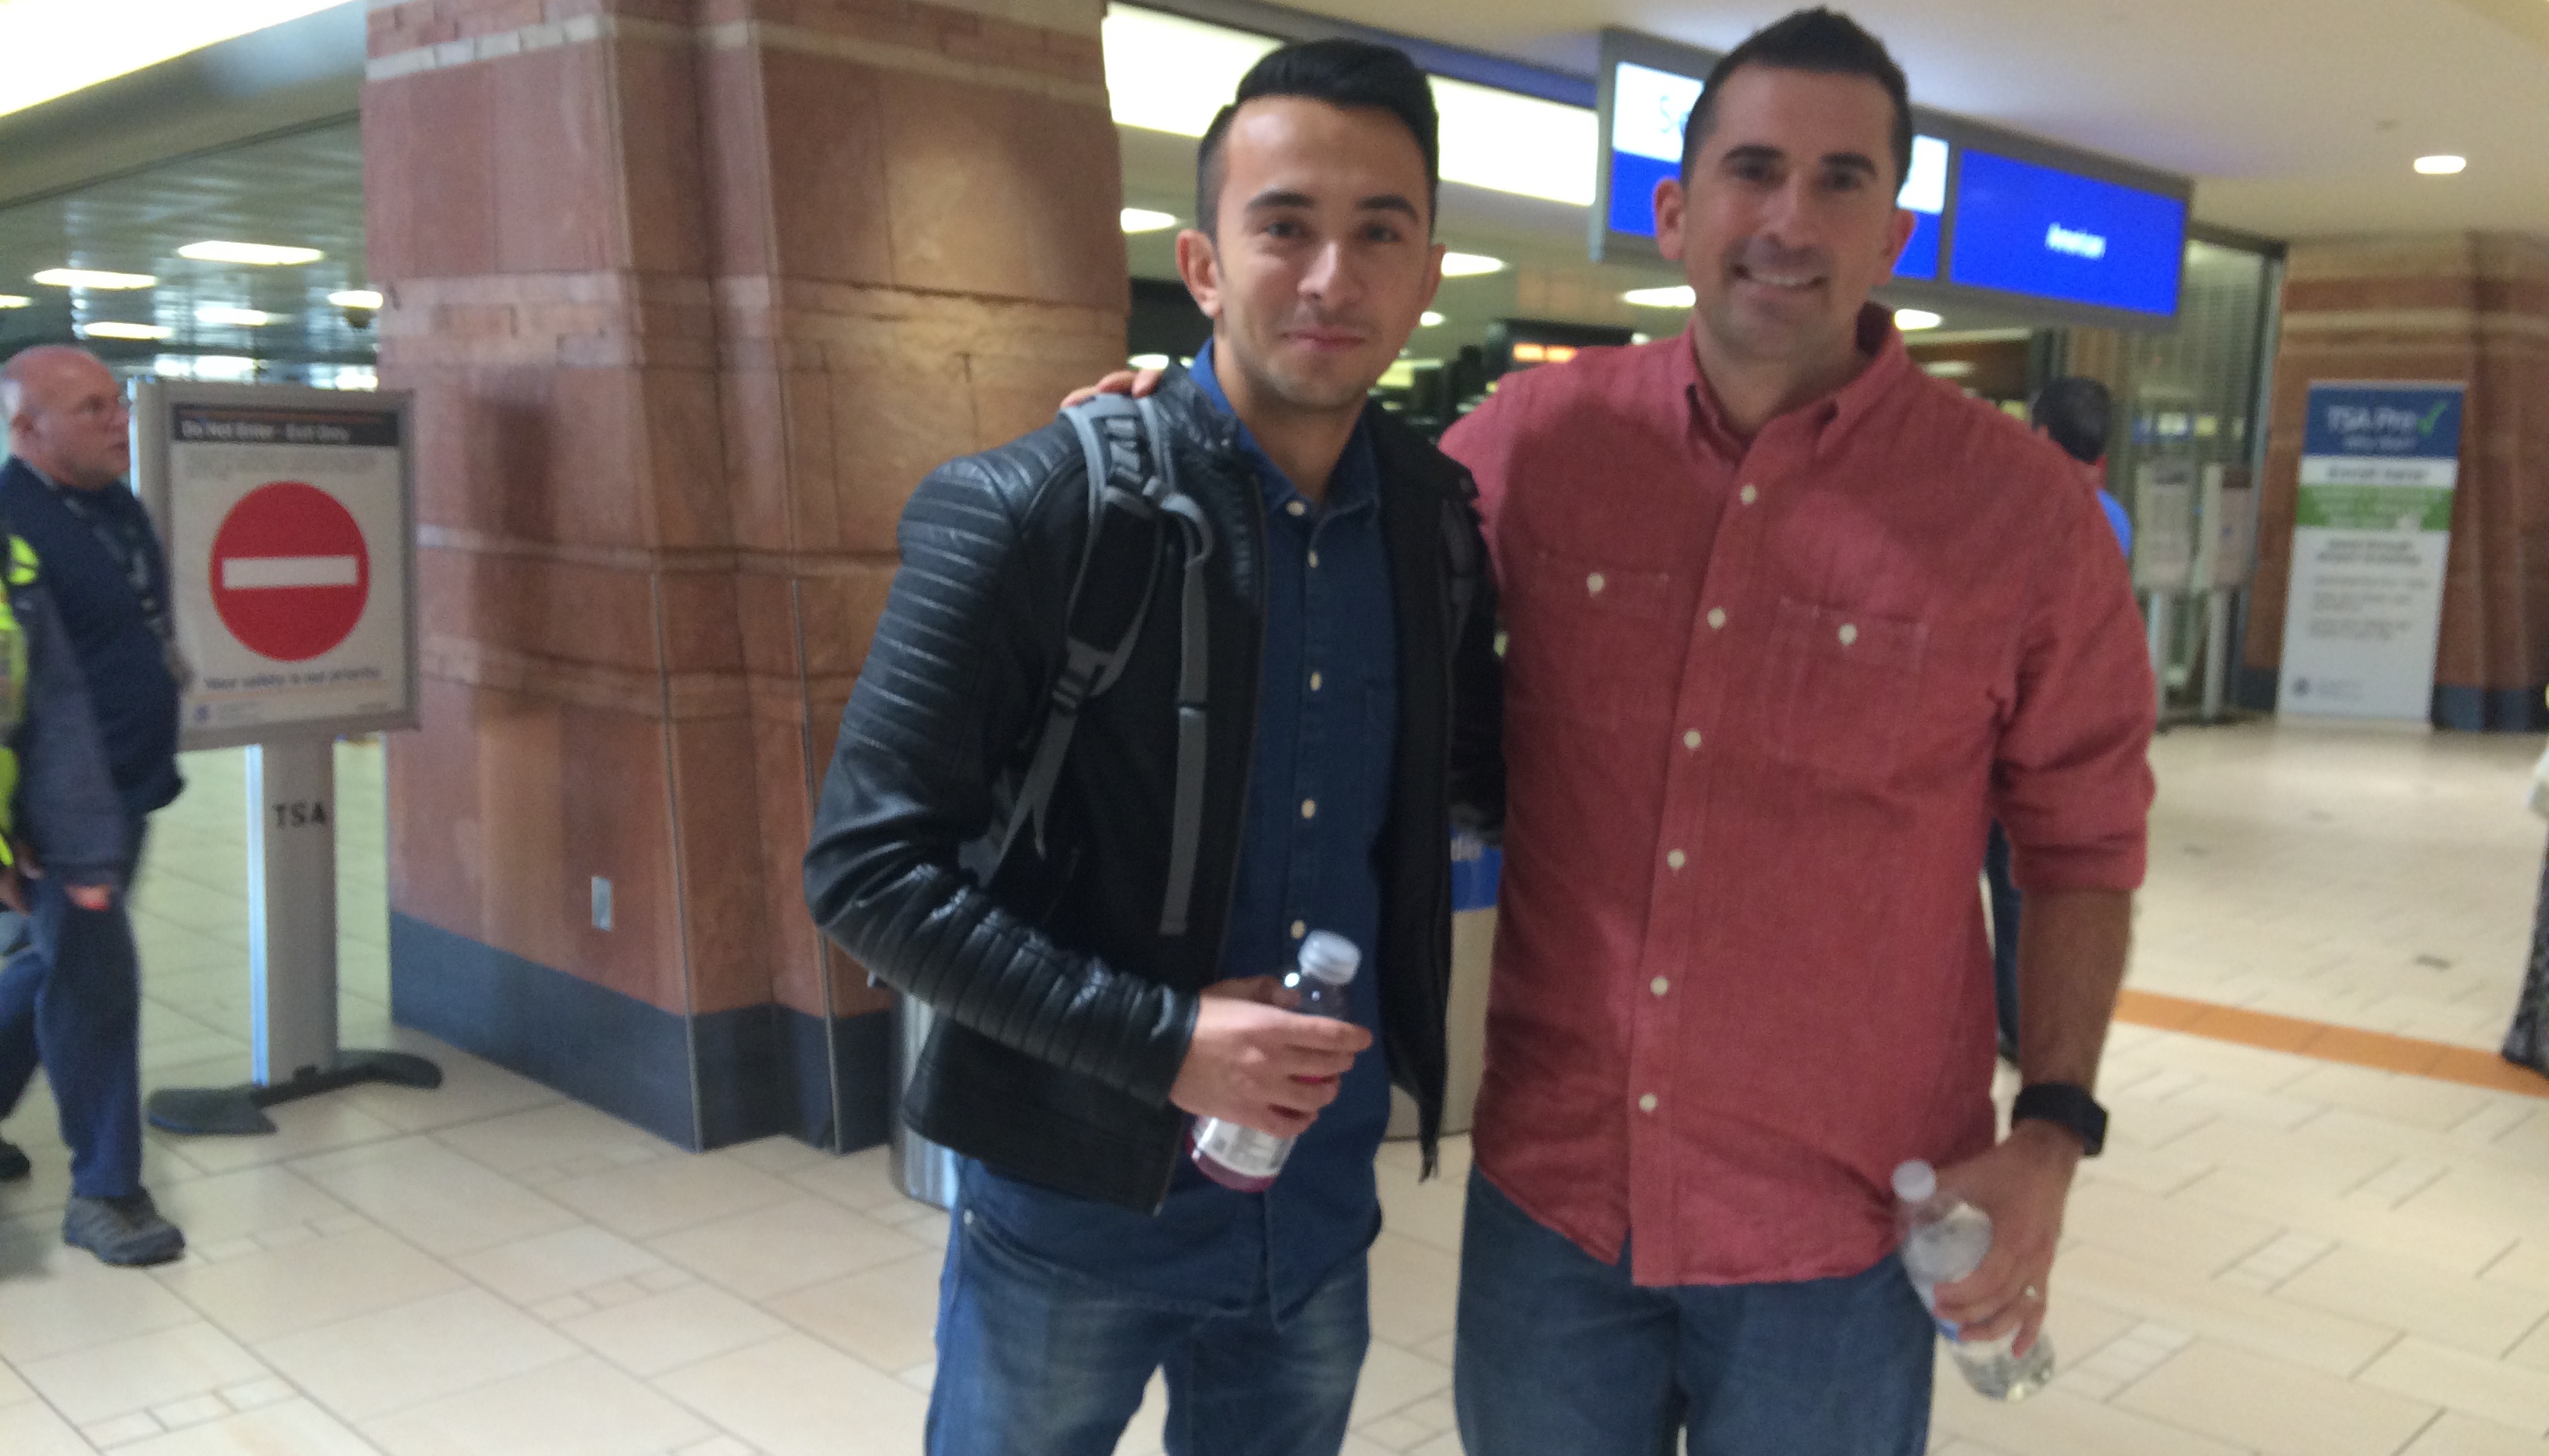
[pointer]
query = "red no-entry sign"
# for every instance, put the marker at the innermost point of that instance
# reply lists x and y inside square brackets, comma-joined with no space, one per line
[290,572]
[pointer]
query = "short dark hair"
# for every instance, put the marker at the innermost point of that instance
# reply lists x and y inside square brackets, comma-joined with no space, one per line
[1341,73]
[2077,413]
[1820,41]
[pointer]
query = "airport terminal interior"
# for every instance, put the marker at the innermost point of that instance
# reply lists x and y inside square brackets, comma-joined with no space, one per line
[676,302]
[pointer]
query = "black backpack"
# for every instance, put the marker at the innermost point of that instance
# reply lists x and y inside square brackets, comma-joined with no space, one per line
[1133,500]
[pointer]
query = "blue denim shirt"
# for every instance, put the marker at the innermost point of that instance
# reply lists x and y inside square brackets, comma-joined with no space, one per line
[1318,794]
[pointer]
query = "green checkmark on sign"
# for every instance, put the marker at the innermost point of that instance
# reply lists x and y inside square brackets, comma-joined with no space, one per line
[2433,416]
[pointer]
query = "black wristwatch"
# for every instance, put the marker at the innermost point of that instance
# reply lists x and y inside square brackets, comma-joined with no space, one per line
[2067,1105]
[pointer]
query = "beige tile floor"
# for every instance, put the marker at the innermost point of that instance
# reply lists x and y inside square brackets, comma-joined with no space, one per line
[2278,1255]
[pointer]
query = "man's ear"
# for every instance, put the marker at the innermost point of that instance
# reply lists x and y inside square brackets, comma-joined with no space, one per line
[1671,202]
[1199,265]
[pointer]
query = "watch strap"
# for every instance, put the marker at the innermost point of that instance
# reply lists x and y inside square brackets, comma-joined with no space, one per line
[2067,1105]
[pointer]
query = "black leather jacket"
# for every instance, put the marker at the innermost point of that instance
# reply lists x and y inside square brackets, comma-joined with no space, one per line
[1063,1013]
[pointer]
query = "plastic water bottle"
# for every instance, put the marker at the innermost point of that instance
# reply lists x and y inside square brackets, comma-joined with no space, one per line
[1945,1240]
[1242,1157]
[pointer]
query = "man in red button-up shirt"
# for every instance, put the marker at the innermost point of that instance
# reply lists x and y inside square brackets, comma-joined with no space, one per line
[1790,624]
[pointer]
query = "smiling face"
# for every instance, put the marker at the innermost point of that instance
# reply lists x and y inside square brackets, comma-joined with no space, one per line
[1320,260]
[1788,217]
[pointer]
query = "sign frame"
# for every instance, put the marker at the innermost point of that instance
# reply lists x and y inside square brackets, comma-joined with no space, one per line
[154,409]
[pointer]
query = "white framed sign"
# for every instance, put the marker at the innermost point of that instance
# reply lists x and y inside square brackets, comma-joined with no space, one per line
[289,518]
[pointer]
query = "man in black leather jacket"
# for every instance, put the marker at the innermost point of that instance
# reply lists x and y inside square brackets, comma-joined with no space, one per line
[1352,716]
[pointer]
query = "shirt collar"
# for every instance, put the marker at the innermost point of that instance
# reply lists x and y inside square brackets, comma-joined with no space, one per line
[1355,483]
[1828,417]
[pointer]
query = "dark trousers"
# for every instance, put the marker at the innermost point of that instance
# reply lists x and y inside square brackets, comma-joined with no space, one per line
[2003,919]
[72,1002]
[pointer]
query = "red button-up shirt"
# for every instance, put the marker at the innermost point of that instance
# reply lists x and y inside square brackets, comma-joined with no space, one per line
[1763,699]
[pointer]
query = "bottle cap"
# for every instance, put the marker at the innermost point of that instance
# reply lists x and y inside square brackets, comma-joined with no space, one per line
[1330,957]
[1915,1181]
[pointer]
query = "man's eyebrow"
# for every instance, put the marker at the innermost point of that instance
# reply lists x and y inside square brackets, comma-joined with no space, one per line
[1280,197]
[1386,202]
[1760,151]
[1391,202]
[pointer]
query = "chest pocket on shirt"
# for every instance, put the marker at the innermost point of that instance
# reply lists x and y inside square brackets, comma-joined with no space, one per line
[1589,641]
[1839,689]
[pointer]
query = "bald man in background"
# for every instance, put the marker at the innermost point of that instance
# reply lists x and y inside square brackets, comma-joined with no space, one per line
[70,997]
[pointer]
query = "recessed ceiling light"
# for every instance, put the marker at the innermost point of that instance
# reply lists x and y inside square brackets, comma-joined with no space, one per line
[14,301]
[1679,296]
[92,278]
[239,317]
[258,254]
[1144,220]
[355,298]
[1470,265]
[112,330]
[1949,368]
[1913,320]
[1428,319]
[2441,166]
[1149,361]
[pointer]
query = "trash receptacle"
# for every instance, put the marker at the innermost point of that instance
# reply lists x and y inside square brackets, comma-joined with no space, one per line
[922,1168]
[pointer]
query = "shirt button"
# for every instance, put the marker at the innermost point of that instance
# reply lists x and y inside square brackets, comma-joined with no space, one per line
[1848,634]
[1647,1102]
[1659,985]
[1314,682]
[1594,584]
[1676,860]
[1309,808]
[1300,928]
[1716,617]
[1296,509]
[1749,496]
[1690,740]
[1314,561]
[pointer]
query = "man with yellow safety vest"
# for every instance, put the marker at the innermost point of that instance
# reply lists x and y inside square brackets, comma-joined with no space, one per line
[70,993]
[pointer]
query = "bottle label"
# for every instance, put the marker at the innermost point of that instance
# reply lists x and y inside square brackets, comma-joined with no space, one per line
[1244,1150]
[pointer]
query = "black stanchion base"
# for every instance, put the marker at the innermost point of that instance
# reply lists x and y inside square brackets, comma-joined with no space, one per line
[238,1110]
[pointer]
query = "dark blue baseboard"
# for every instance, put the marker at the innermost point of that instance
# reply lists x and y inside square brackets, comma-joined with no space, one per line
[702,1082]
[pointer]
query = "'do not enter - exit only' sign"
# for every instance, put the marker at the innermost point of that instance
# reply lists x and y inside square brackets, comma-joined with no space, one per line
[290,574]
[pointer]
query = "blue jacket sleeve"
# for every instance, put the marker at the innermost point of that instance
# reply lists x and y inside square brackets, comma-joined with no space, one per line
[69,809]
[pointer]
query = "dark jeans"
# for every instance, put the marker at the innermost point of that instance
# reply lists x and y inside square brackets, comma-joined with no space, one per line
[72,1002]
[1038,1360]
[2004,918]
[1560,1354]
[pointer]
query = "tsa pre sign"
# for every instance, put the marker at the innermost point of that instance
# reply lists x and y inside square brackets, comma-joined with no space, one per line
[289,557]
[2372,530]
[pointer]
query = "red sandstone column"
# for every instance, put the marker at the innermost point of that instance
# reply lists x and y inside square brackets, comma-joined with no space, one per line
[692,292]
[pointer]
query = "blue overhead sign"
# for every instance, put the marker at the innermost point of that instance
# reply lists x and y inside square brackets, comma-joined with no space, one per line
[2025,229]
[1649,110]
[1925,196]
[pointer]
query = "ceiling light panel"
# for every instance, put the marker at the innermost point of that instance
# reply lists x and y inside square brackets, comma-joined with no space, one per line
[355,298]
[1679,296]
[58,46]
[2443,165]
[1470,265]
[112,329]
[1912,319]
[1144,220]
[224,314]
[93,278]
[256,254]
[14,301]
[1168,73]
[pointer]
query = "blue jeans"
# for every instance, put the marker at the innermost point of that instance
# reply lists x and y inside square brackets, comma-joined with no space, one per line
[2003,920]
[1038,1360]
[72,1001]
[1560,1354]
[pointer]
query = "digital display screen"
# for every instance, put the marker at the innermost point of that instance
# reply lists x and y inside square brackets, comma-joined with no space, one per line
[1925,196]
[2035,229]
[1649,110]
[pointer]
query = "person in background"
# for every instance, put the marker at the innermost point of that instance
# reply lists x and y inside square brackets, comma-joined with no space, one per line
[2526,1041]
[1352,670]
[2076,413]
[71,1000]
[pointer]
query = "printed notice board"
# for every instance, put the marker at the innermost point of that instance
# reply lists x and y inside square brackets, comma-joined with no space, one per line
[2372,528]
[290,530]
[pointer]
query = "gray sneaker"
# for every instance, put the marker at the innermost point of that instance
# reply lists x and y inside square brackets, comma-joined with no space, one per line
[124,1231]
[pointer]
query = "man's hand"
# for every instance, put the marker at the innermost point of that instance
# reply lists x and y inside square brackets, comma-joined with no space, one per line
[1137,382]
[13,886]
[1253,1063]
[2023,1184]
[94,898]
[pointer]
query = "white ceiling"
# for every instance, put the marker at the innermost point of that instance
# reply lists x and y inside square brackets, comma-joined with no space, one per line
[2297,117]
